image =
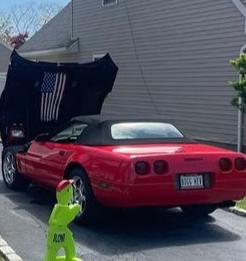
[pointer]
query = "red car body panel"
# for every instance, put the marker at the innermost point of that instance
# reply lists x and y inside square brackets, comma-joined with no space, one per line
[114,181]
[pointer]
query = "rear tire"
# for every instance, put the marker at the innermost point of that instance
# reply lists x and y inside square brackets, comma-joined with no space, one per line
[83,194]
[198,210]
[12,179]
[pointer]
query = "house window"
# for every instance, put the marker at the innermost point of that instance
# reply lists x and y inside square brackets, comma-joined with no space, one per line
[109,2]
[97,57]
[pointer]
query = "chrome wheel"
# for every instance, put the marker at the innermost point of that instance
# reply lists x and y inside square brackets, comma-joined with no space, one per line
[83,195]
[9,168]
[79,193]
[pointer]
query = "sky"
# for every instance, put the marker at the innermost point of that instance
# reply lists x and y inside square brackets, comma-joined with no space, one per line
[6,5]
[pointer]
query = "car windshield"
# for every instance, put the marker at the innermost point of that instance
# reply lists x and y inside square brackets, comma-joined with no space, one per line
[144,130]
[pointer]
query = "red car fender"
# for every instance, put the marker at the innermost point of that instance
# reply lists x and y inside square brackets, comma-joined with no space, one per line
[79,160]
[103,170]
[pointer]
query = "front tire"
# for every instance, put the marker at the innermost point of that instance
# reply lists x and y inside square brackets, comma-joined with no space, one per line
[11,177]
[83,194]
[198,210]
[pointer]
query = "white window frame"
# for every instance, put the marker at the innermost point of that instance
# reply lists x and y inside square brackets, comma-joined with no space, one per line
[105,5]
[96,57]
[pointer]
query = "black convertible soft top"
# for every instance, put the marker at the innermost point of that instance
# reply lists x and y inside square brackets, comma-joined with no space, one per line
[98,133]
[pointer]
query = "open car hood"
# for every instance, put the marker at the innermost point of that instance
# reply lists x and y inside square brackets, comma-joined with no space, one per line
[40,96]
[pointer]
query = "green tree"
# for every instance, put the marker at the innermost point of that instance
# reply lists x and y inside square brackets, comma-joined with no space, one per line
[240,86]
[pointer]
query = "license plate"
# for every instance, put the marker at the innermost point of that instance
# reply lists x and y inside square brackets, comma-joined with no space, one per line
[191,181]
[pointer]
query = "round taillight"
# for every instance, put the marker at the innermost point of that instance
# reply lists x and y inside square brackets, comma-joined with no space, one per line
[160,167]
[240,164]
[225,164]
[142,168]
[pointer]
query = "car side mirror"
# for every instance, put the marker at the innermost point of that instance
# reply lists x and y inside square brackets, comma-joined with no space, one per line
[42,137]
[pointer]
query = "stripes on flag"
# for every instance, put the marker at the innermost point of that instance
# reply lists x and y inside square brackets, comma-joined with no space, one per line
[52,90]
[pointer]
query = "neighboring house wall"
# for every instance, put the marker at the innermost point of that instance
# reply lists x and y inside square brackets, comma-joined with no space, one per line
[4,58]
[2,82]
[173,59]
[5,53]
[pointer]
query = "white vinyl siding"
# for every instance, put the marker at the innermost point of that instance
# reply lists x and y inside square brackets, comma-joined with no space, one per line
[4,58]
[173,59]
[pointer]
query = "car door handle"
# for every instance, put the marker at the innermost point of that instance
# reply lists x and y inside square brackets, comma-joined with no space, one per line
[62,152]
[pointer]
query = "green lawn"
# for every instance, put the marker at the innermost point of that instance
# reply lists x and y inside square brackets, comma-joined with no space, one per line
[242,203]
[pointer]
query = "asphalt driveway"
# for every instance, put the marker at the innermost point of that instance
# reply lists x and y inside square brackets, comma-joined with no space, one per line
[132,235]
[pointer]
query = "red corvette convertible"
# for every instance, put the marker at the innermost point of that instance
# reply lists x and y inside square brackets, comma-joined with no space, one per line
[127,164]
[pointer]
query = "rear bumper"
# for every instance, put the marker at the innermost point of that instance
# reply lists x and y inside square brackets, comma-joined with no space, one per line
[168,195]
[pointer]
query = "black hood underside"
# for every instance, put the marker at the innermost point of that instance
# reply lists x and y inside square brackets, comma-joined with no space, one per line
[40,96]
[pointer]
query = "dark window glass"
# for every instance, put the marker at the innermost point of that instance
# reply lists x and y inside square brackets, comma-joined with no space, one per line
[69,134]
[144,130]
[109,2]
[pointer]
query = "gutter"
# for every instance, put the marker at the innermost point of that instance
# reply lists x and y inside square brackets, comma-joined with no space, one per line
[47,52]
[73,48]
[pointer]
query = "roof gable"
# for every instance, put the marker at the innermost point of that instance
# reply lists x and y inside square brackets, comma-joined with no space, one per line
[55,34]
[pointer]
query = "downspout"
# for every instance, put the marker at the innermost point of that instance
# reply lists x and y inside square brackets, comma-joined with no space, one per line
[240,117]
[240,126]
[72,33]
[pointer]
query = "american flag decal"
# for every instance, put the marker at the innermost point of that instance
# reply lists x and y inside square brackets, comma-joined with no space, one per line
[52,90]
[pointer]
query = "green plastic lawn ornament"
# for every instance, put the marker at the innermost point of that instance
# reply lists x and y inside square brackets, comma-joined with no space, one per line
[59,235]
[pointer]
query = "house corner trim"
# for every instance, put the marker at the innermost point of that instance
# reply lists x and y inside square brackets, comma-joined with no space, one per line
[242,8]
